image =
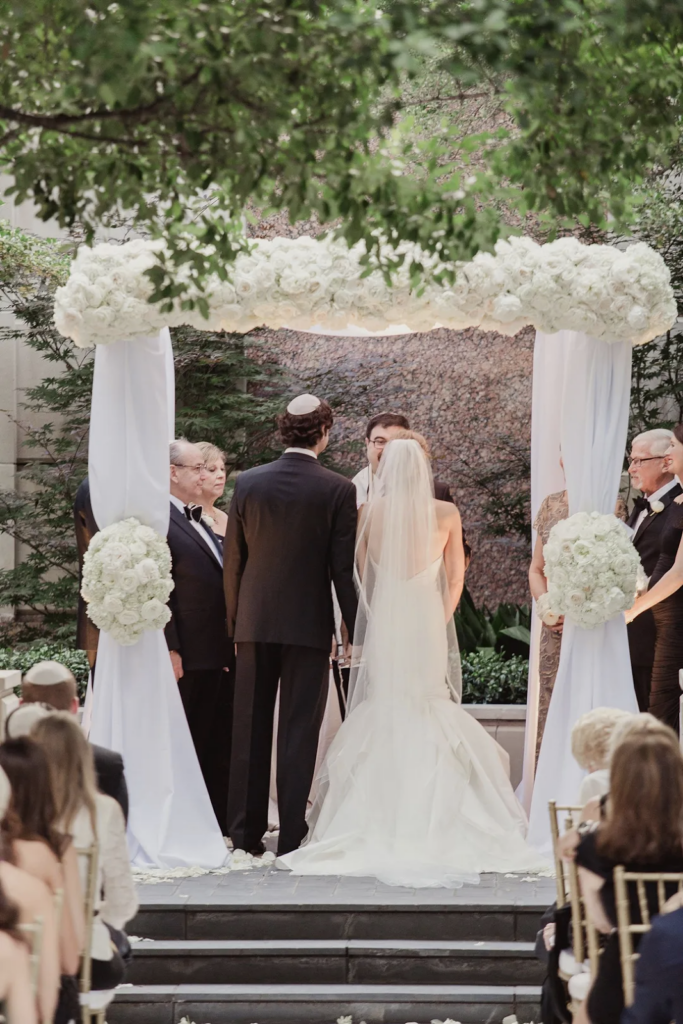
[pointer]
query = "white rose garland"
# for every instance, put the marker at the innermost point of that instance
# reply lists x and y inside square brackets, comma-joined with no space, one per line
[127,580]
[301,283]
[592,568]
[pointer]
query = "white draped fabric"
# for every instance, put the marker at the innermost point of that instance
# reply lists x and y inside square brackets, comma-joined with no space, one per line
[547,477]
[588,386]
[136,707]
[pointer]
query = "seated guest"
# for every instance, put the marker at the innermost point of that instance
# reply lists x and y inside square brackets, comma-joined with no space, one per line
[85,814]
[213,487]
[35,903]
[641,829]
[16,996]
[49,682]
[659,974]
[37,847]
[591,738]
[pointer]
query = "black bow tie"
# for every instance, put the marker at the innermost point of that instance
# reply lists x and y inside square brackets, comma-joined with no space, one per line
[194,512]
[641,505]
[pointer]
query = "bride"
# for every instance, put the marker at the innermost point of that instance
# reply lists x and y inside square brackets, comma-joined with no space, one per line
[413,790]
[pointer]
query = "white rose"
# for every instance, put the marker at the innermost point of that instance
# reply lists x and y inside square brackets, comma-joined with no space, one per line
[657,506]
[129,581]
[128,617]
[152,609]
[507,308]
[147,571]
[112,604]
[638,319]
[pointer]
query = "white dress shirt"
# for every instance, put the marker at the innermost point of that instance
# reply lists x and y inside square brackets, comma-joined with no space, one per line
[361,482]
[301,451]
[201,530]
[652,497]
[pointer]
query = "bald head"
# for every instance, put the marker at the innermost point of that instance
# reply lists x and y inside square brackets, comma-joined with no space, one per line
[187,471]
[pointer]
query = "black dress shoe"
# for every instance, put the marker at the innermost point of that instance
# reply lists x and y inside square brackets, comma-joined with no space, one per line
[258,850]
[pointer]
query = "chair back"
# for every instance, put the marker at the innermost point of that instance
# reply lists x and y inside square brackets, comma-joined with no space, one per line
[91,856]
[659,881]
[571,815]
[34,935]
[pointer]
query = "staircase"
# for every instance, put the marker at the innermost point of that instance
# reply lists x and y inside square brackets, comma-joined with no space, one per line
[430,956]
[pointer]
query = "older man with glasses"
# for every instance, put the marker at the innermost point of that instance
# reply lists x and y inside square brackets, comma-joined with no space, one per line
[648,520]
[197,637]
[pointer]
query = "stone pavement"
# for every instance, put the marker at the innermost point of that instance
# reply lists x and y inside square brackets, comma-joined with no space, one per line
[273,887]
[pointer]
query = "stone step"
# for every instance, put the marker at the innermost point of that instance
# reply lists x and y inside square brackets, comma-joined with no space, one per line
[488,920]
[322,1004]
[333,962]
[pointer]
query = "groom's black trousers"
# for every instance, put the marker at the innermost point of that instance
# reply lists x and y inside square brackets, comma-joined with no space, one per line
[302,673]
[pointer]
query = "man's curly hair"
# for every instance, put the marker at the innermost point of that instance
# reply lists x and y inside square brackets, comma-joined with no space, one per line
[305,431]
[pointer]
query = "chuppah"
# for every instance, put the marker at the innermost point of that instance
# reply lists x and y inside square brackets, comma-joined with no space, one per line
[590,305]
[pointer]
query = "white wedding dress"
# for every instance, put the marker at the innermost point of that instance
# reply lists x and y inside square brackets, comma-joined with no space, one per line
[413,790]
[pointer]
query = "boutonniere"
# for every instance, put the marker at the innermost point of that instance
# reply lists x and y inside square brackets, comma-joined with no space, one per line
[656,506]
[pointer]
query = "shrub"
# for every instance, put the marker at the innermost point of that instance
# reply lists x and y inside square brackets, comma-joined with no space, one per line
[22,658]
[490,678]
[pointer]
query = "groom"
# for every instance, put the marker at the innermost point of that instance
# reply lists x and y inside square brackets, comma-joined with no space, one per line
[291,533]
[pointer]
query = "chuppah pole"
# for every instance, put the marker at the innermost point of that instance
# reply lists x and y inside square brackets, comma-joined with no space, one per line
[136,704]
[594,669]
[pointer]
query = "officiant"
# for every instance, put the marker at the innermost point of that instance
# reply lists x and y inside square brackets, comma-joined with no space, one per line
[649,519]
[380,429]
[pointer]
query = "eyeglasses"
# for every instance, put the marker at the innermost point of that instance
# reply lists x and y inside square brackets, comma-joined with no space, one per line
[379,442]
[192,469]
[638,462]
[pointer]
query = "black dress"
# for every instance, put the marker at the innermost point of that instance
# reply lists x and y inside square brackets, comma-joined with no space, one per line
[606,997]
[665,692]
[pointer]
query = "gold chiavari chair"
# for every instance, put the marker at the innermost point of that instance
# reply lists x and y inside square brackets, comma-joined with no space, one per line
[566,876]
[90,1008]
[666,883]
[572,815]
[585,939]
[34,935]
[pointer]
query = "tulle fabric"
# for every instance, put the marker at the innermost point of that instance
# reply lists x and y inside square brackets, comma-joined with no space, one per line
[413,790]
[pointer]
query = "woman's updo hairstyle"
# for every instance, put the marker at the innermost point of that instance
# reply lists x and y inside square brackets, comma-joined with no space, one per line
[412,435]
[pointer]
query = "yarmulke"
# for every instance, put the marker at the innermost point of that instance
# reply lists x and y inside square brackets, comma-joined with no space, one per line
[302,405]
[47,673]
[5,793]
[21,721]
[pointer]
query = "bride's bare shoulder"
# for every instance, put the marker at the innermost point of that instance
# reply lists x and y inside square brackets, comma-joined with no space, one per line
[446,510]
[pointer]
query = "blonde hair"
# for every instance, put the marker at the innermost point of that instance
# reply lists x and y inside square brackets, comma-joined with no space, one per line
[592,735]
[211,452]
[412,435]
[641,723]
[72,769]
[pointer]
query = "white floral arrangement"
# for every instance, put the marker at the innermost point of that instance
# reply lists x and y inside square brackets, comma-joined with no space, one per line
[592,570]
[127,580]
[303,283]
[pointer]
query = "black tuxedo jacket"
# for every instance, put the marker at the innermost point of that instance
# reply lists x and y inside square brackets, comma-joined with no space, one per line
[291,531]
[87,633]
[197,629]
[647,542]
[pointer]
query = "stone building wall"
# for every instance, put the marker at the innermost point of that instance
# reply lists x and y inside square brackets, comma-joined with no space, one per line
[469,392]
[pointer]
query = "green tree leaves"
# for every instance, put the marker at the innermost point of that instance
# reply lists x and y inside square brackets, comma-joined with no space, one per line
[182,114]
